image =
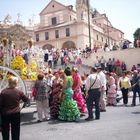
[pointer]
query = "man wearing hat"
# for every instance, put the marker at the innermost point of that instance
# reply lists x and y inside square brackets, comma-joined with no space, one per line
[93,86]
[135,86]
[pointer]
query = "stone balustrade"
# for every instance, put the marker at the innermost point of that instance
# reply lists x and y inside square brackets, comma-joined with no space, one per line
[129,56]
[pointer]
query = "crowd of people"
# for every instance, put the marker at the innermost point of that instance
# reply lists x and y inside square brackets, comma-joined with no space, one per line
[68,95]
[103,48]
[65,92]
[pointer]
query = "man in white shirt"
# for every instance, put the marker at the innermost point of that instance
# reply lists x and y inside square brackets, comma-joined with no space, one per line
[93,86]
[50,59]
[62,57]
[103,89]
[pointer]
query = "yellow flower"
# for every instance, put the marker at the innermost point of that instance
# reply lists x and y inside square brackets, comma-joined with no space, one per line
[18,63]
[33,76]
[24,71]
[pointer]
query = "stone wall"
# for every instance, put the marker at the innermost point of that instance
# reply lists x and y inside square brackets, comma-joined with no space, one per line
[129,56]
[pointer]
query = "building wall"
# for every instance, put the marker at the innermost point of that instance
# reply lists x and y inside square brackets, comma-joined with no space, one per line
[129,56]
[62,36]
[76,21]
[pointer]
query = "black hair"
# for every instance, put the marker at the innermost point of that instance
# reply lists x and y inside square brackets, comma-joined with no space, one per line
[93,69]
[67,71]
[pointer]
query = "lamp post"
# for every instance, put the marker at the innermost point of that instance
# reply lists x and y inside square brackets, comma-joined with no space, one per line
[88,5]
[108,33]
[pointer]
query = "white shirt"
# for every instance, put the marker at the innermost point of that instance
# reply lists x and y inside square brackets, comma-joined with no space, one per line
[62,54]
[90,80]
[25,51]
[50,57]
[46,51]
[102,60]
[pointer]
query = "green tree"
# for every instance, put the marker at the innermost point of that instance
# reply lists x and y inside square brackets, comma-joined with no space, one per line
[136,36]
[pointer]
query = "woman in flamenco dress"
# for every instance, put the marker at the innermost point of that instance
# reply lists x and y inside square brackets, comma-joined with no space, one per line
[56,94]
[68,109]
[111,92]
[77,84]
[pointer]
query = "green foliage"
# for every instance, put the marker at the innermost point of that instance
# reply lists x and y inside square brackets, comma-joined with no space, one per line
[136,36]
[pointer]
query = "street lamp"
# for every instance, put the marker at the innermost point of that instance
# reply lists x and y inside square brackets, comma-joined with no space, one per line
[108,33]
[88,5]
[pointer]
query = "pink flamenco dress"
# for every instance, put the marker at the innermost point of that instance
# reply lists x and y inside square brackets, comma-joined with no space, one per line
[111,93]
[77,96]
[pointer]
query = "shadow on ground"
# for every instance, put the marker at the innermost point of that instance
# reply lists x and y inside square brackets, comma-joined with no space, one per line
[136,113]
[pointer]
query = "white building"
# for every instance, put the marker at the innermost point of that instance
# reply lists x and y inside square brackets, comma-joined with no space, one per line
[61,26]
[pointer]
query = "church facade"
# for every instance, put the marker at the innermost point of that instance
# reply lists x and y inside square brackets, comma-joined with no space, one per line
[68,27]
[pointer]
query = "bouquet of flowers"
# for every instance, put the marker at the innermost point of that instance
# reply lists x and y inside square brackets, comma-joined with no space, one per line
[18,63]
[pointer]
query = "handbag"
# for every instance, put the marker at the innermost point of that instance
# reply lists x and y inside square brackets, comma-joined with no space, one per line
[92,84]
[34,92]
[34,89]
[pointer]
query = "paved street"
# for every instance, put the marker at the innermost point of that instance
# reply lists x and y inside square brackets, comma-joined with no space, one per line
[118,123]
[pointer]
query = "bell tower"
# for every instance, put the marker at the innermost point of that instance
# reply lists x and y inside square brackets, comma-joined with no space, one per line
[82,9]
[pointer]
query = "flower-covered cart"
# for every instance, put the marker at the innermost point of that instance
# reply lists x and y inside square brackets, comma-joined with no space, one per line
[16,66]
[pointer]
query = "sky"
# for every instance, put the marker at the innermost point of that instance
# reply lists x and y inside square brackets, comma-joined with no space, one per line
[123,14]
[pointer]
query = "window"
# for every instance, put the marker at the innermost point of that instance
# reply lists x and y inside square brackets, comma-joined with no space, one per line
[102,39]
[37,37]
[97,37]
[54,21]
[56,34]
[67,31]
[46,36]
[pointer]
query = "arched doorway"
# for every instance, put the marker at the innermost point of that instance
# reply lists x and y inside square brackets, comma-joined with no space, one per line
[69,45]
[47,46]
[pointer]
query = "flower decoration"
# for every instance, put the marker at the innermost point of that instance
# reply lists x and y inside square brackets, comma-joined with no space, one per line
[33,76]
[18,63]
[33,66]
[24,73]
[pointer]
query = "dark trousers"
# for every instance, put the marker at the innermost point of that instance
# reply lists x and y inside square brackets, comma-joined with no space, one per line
[103,66]
[12,120]
[50,99]
[50,63]
[93,96]
[125,95]
[135,91]
[62,61]
[110,68]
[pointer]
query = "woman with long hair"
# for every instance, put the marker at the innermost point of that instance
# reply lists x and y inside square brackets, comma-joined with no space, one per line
[68,109]
[77,84]
[56,95]
[111,92]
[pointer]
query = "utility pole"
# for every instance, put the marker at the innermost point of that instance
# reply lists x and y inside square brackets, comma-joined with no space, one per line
[108,33]
[88,5]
